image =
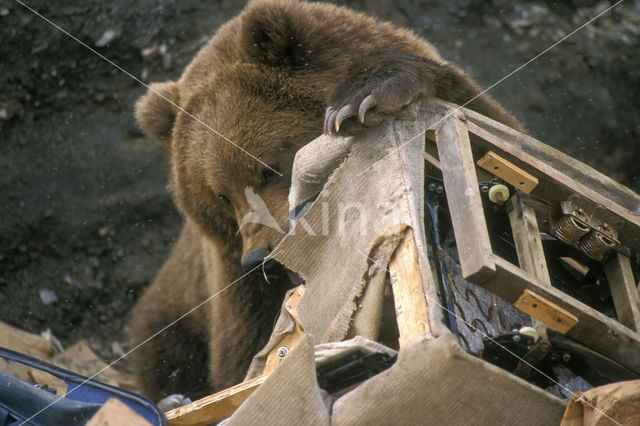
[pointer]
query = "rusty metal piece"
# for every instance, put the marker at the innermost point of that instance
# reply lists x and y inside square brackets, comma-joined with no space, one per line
[585,230]
[593,219]
[569,229]
[595,245]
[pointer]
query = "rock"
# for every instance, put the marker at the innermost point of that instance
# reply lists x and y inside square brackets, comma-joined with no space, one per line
[150,53]
[107,37]
[48,296]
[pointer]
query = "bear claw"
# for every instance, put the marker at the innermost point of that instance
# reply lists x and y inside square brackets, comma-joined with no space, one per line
[368,103]
[344,113]
[330,116]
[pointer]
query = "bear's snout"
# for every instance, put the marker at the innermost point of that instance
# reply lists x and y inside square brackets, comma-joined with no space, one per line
[254,257]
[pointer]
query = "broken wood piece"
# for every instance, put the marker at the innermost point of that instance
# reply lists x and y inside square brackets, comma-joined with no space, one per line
[290,340]
[115,412]
[24,342]
[45,379]
[508,172]
[463,197]
[214,408]
[623,290]
[80,359]
[546,311]
[412,313]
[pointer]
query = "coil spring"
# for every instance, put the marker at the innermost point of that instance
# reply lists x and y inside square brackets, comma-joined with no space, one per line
[595,245]
[570,230]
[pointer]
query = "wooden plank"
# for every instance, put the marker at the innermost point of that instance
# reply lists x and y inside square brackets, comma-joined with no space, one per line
[508,172]
[432,160]
[526,236]
[463,197]
[115,412]
[555,186]
[213,408]
[623,290]
[548,312]
[594,329]
[412,312]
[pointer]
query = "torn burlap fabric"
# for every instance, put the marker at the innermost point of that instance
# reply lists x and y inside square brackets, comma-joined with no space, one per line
[341,248]
[433,382]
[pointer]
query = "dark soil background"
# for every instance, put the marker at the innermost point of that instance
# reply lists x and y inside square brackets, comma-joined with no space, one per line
[84,214]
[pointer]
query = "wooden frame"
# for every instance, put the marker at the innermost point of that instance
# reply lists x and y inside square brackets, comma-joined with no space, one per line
[456,131]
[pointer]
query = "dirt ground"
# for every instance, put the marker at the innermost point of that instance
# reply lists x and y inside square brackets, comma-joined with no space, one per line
[85,218]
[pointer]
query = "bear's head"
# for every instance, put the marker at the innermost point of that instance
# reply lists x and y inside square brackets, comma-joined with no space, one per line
[236,118]
[233,138]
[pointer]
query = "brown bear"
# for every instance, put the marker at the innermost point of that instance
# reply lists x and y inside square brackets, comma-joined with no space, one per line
[269,81]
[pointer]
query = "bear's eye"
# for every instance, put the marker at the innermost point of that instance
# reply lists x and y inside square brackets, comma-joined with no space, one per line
[269,174]
[224,200]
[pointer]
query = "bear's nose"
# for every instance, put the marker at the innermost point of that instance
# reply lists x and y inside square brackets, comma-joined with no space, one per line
[254,257]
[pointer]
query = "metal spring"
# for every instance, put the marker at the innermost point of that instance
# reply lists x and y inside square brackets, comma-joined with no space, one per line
[595,245]
[570,230]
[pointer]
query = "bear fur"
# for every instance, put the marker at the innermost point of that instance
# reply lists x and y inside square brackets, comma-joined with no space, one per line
[269,81]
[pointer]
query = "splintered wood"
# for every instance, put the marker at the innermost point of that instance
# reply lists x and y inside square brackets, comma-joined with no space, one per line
[412,313]
[214,408]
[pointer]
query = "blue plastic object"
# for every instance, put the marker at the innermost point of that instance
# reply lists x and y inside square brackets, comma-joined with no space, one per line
[22,401]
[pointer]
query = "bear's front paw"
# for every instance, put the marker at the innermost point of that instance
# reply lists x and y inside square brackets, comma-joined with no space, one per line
[354,116]
[379,85]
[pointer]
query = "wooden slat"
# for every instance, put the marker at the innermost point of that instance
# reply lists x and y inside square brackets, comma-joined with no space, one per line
[463,197]
[548,312]
[508,172]
[623,290]
[595,330]
[526,236]
[213,408]
[412,312]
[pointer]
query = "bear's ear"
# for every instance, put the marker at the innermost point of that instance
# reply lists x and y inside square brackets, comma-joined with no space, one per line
[275,33]
[156,110]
